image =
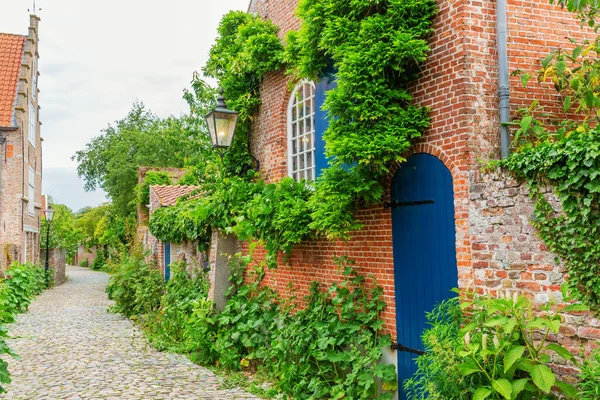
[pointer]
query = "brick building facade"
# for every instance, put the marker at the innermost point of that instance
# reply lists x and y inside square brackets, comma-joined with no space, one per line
[495,245]
[20,147]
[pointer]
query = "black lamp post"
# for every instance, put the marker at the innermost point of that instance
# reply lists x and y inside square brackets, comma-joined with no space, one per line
[221,124]
[49,214]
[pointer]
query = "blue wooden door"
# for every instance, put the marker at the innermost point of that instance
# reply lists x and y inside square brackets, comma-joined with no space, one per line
[423,230]
[167,262]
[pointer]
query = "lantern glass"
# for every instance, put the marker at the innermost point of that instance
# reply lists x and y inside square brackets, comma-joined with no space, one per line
[49,214]
[221,126]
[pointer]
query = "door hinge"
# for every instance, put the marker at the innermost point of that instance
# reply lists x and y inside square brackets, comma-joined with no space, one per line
[400,347]
[395,204]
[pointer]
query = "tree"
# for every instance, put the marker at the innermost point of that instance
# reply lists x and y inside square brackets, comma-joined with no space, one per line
[111,161]
[64,232]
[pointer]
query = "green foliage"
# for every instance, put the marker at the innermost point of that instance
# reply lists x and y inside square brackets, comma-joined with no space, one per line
[437,376]
[21,283]
[4,351]
[246,49]
[166,327]
[64,232]
[329,349]
[571,166]
[87,222]
[589,384]
[111,160]
[338,334]
[277,215]
[500,352]
[136,286]
[375,50]
[84,264]
[152,178]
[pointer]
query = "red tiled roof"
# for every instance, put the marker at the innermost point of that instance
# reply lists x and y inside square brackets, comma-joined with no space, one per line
[11,55]
[168,194]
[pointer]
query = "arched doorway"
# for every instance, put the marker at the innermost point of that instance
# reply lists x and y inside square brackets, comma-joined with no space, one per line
[424,239]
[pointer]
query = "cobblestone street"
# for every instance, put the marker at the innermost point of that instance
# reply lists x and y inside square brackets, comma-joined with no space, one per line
[72,348]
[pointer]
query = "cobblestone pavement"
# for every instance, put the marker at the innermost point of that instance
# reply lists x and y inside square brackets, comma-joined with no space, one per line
[72,348]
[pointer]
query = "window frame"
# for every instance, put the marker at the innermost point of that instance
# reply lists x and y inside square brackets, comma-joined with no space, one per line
[301,173]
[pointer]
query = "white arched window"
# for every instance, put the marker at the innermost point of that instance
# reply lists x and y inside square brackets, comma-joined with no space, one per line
[301,132]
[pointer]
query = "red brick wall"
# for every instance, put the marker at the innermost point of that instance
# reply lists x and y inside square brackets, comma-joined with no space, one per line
[459,84]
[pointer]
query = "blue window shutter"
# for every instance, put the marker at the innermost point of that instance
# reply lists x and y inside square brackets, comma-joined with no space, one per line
[321,121]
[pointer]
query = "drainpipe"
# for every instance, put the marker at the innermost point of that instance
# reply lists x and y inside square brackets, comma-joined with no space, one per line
[503,89]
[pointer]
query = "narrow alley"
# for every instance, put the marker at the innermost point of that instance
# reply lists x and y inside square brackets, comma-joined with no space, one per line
[71,347]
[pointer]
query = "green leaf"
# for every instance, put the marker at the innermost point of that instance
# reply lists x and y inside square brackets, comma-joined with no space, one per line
[543,377]
[589,98]
[512,356]
[518,386]
[526,122]
[468,368]
[503,387]
[482,393]
[561,351]
[569,390]
[576,308]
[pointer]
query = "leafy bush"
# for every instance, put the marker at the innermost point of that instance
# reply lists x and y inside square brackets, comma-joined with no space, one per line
[22,283]
[166,327]
[328,349]
[4,350]
[589,379]
[84,264]
[136,286]
[437,376]
[500,352]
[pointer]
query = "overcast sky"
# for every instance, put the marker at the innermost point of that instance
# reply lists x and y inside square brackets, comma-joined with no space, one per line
[97,57]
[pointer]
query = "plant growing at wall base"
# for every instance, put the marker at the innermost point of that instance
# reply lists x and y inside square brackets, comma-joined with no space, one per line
[498,349]
[589,382]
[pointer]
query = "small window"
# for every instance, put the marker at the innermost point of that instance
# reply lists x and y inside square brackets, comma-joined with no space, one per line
[301,132]
[31,193]
[32,123]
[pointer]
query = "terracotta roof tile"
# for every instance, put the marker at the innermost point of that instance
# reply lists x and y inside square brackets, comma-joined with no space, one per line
[168,194]
[11,56]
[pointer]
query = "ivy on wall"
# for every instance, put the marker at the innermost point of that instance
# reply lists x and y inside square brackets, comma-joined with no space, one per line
[375,49]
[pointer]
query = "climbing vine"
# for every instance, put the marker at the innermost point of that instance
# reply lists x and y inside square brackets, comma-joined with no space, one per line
[374,50]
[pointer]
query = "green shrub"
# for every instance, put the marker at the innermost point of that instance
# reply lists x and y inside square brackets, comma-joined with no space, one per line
[84,264]
[99,260]
[437,376]
[589,379]
[166,327]
[500,351]
[136,286]
[21,284]
[329,349]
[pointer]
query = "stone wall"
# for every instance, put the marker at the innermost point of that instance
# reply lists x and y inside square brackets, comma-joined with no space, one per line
[507,254]
[58,262]
[85,254]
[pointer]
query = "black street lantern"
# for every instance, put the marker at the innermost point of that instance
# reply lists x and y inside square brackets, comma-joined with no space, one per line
[49,214]
[221,124]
